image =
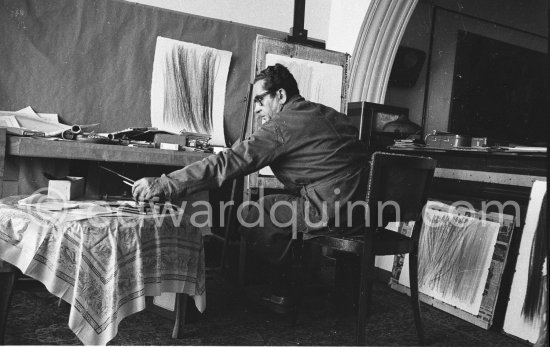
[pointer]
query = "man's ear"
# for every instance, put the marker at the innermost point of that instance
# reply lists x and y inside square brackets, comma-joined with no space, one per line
[281,93]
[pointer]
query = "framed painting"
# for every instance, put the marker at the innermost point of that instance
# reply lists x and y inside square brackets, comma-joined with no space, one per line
[461,261]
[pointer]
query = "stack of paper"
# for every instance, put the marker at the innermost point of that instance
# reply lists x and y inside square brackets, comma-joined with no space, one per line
[26,122]
[406,143]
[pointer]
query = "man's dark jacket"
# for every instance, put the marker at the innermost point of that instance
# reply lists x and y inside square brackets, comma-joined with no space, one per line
[311,148]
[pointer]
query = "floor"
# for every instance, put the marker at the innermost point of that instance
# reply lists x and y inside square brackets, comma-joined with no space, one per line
[232,319]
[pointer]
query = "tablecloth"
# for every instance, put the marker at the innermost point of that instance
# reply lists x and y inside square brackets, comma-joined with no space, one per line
[103,266]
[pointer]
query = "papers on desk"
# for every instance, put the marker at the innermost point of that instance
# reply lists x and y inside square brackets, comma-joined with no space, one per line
[14,128]
[9,121]
[48,117]
[78,210]
[28,122]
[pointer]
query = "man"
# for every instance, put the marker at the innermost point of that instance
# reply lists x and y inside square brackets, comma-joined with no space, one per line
[312,149]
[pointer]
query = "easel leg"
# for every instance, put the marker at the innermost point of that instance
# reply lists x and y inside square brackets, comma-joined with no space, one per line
[242,261]
[7,282]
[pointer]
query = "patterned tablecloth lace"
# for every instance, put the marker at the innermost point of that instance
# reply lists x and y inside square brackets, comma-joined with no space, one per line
[103,266]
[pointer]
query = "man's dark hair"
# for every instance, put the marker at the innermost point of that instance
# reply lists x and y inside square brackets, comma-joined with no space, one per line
[277,76]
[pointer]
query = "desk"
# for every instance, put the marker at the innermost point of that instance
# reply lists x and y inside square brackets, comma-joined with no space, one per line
[103,266]
[43,148]
[26,159]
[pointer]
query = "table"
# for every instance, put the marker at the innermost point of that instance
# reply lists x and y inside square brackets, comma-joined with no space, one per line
[26,159]
[103,266]
[48,148]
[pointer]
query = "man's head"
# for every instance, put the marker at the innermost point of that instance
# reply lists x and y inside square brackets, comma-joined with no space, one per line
[273,87]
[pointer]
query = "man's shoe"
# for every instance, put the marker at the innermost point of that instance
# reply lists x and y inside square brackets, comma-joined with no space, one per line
[276,303]
[279,304]
[279,300]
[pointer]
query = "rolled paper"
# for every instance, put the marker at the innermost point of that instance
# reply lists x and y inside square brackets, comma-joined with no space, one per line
[76,129]
[68,135]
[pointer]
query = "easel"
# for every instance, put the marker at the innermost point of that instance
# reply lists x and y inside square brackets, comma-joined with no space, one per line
[298,46]
[297,33]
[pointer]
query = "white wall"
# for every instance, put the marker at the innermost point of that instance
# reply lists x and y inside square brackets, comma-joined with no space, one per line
[346,17]
[336,22]
[275,15]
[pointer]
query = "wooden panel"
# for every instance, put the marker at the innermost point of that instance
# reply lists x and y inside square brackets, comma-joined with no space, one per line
[42,148]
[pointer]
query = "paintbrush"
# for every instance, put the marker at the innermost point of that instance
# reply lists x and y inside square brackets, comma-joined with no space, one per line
[126,180]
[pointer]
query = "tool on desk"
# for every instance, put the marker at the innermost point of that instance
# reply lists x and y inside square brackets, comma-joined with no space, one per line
[126,180]
[68,135]
[24,132]
[129,205]
[130,182]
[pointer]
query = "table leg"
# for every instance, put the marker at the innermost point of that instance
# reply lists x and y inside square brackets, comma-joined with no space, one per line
[186,312]
[7,282]
[181,307]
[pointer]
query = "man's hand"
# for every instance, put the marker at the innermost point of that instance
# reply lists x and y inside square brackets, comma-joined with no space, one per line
[147,188]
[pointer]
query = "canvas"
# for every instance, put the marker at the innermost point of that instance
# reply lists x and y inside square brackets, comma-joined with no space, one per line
[188,88]
[461,258]
[516,322]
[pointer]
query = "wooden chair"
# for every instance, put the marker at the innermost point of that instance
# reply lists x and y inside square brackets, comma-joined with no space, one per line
[397,191]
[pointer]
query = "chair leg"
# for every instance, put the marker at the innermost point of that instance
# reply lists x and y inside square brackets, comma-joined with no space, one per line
[7,283]
[346,280]
[365,293]
[413,271]
[298,271]
[242,261]
[225,244]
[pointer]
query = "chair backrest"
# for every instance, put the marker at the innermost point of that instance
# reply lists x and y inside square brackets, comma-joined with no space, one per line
[398,187]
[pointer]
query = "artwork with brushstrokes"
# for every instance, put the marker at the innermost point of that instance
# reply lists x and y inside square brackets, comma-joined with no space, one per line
[188,88]
[523,317]
[312,77]
[462,254]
